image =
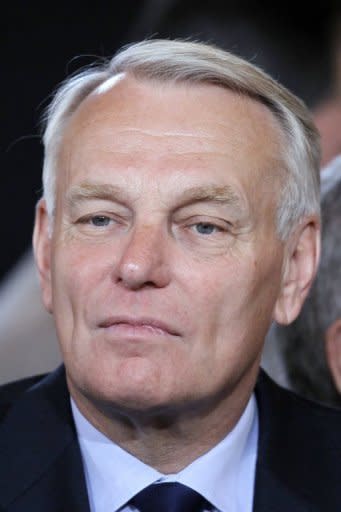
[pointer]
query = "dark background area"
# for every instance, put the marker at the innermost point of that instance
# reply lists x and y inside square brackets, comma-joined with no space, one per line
[43,43]
[39,46]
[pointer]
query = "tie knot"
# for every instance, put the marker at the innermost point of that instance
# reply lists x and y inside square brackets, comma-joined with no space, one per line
[169,497]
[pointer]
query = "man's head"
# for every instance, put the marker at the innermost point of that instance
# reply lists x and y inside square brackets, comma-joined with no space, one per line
[180,216]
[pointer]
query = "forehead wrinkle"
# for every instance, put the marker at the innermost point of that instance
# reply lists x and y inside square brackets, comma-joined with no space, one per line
[117,143]
[168,133]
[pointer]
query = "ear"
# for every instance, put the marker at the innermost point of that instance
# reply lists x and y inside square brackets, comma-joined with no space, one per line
[333,351]
[42,252]
[301,257]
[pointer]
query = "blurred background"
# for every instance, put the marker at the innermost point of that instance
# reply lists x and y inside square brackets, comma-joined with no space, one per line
[298,43]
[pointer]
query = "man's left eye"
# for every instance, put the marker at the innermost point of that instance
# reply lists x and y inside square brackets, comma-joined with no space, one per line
[100,220]
[205,228]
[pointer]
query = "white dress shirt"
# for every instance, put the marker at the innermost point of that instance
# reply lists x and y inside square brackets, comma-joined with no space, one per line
[224,475]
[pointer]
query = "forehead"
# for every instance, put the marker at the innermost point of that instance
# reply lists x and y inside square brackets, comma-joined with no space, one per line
[175,127]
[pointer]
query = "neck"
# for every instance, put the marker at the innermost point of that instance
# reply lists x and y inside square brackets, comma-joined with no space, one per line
[167,441]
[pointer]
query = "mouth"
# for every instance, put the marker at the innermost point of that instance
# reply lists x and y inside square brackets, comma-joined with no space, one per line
[144,326]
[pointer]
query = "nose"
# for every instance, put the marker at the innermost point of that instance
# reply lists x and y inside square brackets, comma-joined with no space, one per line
[144,260]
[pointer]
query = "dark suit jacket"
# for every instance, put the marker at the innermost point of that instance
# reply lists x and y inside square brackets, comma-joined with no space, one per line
[298,466]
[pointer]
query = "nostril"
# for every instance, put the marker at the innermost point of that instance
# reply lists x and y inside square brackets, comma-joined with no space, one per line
[136,284]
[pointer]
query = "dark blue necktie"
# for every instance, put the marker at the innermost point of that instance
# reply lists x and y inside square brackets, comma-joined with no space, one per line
[169,497]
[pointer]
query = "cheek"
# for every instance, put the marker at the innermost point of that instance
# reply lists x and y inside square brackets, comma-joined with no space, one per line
[221,289]
[238,298]
[76,276]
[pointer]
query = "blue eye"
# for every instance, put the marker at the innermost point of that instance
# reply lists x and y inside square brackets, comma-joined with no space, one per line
[100,220]
[204,228]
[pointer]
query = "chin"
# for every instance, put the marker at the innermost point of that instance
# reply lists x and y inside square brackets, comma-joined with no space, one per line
[135,386]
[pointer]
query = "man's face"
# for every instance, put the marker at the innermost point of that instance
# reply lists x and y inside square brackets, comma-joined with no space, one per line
[163,268]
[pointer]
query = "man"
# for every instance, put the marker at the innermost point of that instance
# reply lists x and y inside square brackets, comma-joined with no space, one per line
[309,349]
[260,36]
[180,216]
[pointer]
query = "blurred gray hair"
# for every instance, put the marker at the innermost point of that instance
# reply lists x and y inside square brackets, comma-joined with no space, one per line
[191,62]
[302,343]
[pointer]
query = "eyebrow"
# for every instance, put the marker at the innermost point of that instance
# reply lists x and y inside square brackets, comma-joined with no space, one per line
[225,194]
[92,191]
[212,193]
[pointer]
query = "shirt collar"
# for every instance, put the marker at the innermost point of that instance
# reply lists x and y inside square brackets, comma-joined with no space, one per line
[224,475]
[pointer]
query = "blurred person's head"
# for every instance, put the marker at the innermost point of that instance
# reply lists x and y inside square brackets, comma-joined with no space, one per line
[311,345]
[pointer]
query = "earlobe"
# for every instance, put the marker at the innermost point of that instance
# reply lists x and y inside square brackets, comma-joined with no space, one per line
[333,351]
[299,269]
[42,252]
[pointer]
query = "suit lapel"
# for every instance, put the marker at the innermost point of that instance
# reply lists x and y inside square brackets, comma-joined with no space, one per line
[41,467]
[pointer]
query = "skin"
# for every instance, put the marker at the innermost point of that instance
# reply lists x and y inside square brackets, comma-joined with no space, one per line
[163,270]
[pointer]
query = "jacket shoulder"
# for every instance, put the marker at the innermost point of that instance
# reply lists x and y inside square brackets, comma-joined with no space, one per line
[299,450]
[12,391]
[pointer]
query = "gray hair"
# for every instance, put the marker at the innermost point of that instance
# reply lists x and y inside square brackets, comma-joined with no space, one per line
[192,62]
[302,343]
